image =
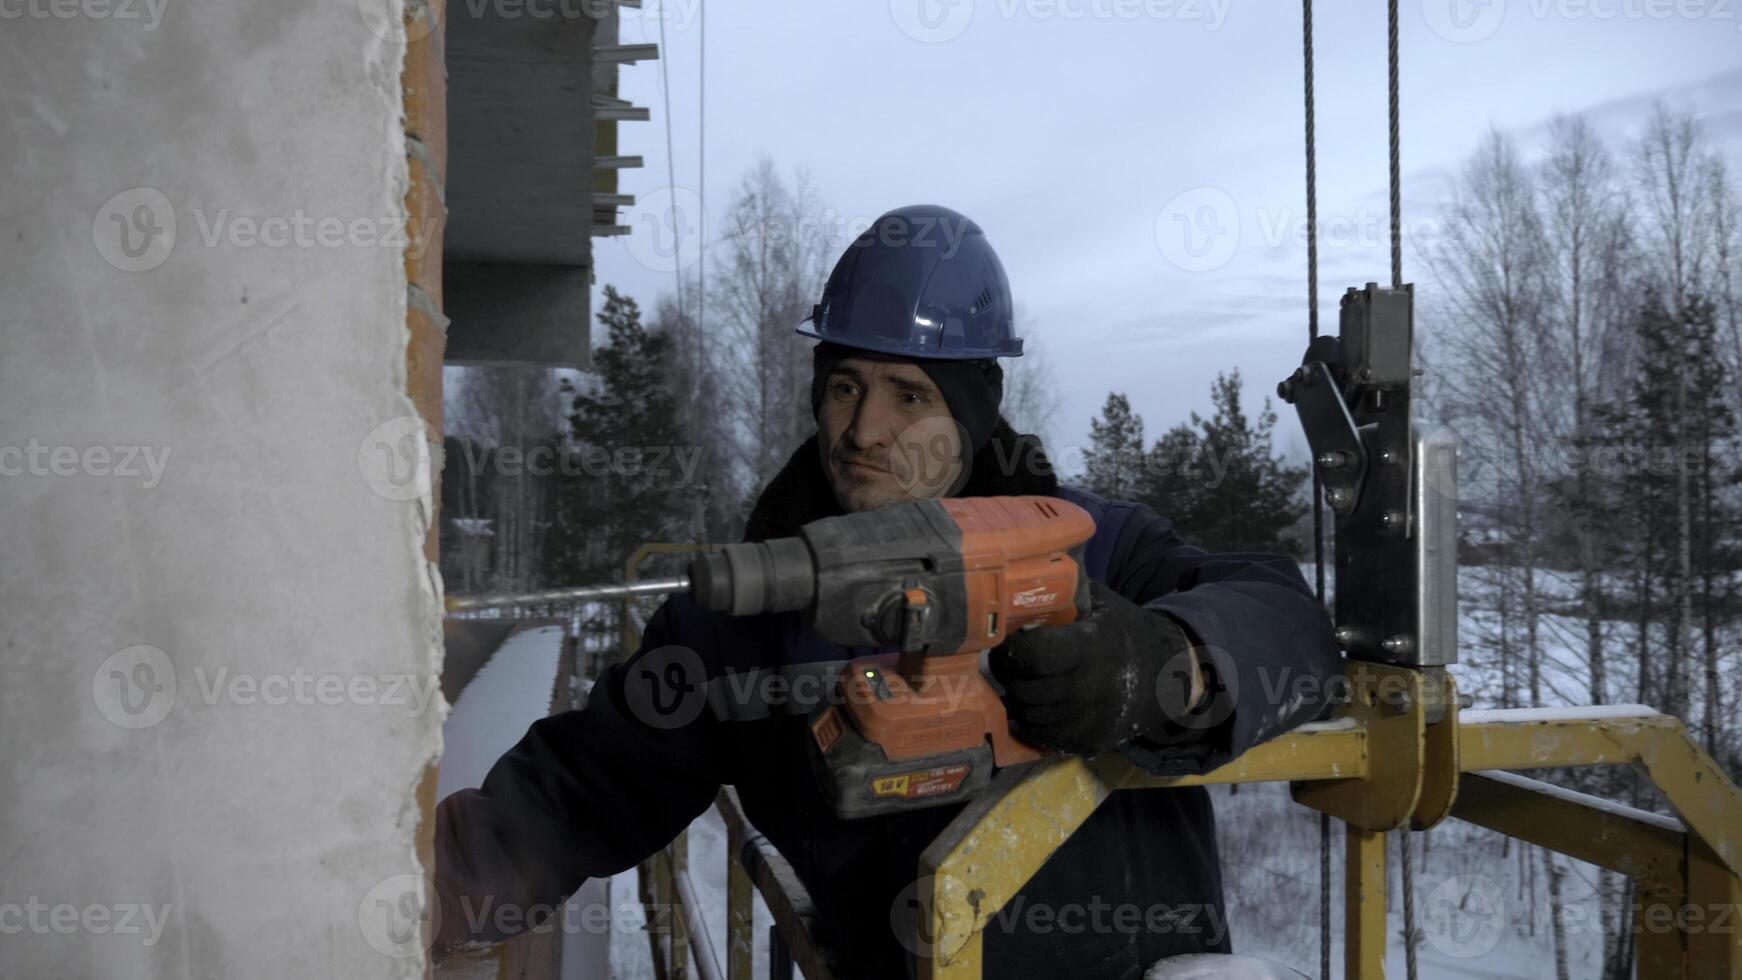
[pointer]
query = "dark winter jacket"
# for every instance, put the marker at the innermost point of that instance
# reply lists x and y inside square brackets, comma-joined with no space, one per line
[592,792]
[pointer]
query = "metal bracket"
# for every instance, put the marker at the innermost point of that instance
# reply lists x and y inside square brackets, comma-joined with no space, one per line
[1393,491]
[1336,444]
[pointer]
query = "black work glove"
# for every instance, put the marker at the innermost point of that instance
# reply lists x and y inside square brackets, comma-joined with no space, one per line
[1083,688]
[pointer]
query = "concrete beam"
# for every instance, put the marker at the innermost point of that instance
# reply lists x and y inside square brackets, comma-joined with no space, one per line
[506,313]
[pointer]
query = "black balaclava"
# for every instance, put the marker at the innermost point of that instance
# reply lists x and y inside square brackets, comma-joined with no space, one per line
[971,388]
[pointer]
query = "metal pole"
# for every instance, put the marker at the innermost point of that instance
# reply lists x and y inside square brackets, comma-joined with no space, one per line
[707,968]
[1364,905]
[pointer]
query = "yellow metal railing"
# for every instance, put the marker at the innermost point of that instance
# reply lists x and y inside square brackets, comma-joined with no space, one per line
[1399,754]
[1000,840]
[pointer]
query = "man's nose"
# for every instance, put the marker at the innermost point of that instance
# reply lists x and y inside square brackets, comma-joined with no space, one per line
[874,425]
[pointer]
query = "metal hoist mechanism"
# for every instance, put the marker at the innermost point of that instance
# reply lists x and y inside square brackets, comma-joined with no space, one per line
[1392,490]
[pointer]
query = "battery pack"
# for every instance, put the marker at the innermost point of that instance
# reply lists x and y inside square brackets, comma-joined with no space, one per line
[859,780]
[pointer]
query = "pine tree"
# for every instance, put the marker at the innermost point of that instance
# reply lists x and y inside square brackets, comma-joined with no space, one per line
[1220,482]
[1114,461]
[1641,427]
[1711,429]
[617,494]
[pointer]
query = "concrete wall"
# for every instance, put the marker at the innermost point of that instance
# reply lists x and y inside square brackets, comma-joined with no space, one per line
[220,633]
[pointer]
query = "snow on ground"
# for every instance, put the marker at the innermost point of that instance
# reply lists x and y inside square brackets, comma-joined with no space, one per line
[509,693]
[1479,911]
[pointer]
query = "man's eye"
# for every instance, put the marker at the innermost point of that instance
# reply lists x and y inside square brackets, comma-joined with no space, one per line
[845,389]
[914,398]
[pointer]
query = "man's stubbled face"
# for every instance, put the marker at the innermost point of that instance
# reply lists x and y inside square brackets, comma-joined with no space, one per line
[887,434]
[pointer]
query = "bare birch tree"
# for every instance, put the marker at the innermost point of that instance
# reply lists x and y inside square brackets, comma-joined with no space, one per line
[776,248]
[1677,222]
[1031,399]
[1584,217]
[1492,265]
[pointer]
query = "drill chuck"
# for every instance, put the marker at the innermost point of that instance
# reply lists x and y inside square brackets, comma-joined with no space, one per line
[755,577]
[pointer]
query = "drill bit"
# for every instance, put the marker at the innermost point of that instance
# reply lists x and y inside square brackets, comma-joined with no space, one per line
[584,593]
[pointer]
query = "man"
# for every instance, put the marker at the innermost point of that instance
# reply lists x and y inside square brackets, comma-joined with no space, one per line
[1186,660]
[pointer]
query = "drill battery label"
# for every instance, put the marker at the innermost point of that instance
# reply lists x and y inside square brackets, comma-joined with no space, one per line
[826,729]
[1033,597]
[921,782]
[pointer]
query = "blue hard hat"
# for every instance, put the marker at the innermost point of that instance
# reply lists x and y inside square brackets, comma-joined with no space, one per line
[922,281]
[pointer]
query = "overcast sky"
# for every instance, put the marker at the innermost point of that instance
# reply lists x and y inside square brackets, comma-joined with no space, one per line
[1138,163]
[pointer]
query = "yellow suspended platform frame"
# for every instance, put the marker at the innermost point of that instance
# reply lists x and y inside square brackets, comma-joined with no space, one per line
[1399,753]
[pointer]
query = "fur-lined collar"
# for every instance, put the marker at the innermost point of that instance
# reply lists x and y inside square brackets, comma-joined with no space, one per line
[1008,465]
